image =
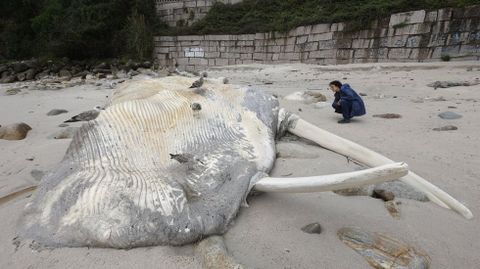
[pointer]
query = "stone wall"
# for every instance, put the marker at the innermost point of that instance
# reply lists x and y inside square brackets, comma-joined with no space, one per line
[178,12]
[411,36]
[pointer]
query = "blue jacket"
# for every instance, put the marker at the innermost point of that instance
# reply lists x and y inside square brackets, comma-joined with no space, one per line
[348,97]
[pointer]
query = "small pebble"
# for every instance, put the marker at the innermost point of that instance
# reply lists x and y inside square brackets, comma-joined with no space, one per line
[312,228]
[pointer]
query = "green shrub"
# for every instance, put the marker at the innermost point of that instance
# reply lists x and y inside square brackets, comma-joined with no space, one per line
[77,29]
[139,38]
[400,25]
[251,16]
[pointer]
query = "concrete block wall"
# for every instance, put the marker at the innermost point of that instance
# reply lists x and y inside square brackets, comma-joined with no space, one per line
[406,37]
[185,12]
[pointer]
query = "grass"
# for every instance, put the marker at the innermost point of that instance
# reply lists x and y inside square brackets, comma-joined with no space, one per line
[252,16]
[445,58]
[400,25]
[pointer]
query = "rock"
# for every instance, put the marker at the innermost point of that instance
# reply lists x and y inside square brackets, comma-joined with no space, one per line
[402,190]
[362,94]
[82,74]
[31,73]
[16,131]
[383,194]
[214,255]
[446,128]
[132,73]
[393,209]
[37,174]
[66,133]
[27,75]
[356,191]
[312,228]
[436,99]
[103,71]
[320,105]
[55,112]
[9,79]
[397,188]
[101,75]
[42,74]
[13,91]
[64,73]
[63,125]
[381,251]
[148,72]
[3,68]
[449,115]
[102,65]
[449,84]
[307,97]
[388,116]
[146,64]
[19,67]
[21,76]
[317,96]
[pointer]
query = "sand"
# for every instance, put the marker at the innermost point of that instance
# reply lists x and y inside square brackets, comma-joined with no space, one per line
[268,233]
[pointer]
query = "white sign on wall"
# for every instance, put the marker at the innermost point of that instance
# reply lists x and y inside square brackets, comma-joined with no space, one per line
[194,52]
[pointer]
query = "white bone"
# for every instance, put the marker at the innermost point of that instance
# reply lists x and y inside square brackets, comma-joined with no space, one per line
[333,182]
[370,158]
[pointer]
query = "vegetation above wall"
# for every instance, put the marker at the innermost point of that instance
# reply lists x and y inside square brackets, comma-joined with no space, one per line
[77,29]
[252,16]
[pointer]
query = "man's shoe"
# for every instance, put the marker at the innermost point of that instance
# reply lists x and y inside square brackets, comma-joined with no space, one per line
[344,121]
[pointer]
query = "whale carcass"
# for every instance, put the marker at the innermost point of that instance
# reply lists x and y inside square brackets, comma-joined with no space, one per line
[167,164]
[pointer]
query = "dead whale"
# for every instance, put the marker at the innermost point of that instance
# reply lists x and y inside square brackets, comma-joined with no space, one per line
[151,171]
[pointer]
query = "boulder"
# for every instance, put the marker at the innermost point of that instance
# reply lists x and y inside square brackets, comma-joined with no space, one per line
[64,73]
[3,68]
[9,79]
[19,67]
[16,131]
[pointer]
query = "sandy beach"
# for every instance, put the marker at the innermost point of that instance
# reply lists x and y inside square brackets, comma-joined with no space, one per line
[268,233]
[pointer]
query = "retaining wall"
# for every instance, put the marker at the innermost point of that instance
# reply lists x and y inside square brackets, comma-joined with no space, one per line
[411,36]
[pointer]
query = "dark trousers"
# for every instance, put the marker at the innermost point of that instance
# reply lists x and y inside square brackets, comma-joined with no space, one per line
[345,108]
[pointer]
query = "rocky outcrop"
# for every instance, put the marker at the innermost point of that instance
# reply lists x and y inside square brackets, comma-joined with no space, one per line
[65,69]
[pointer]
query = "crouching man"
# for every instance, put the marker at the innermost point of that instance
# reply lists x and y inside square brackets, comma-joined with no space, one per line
[347,101]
